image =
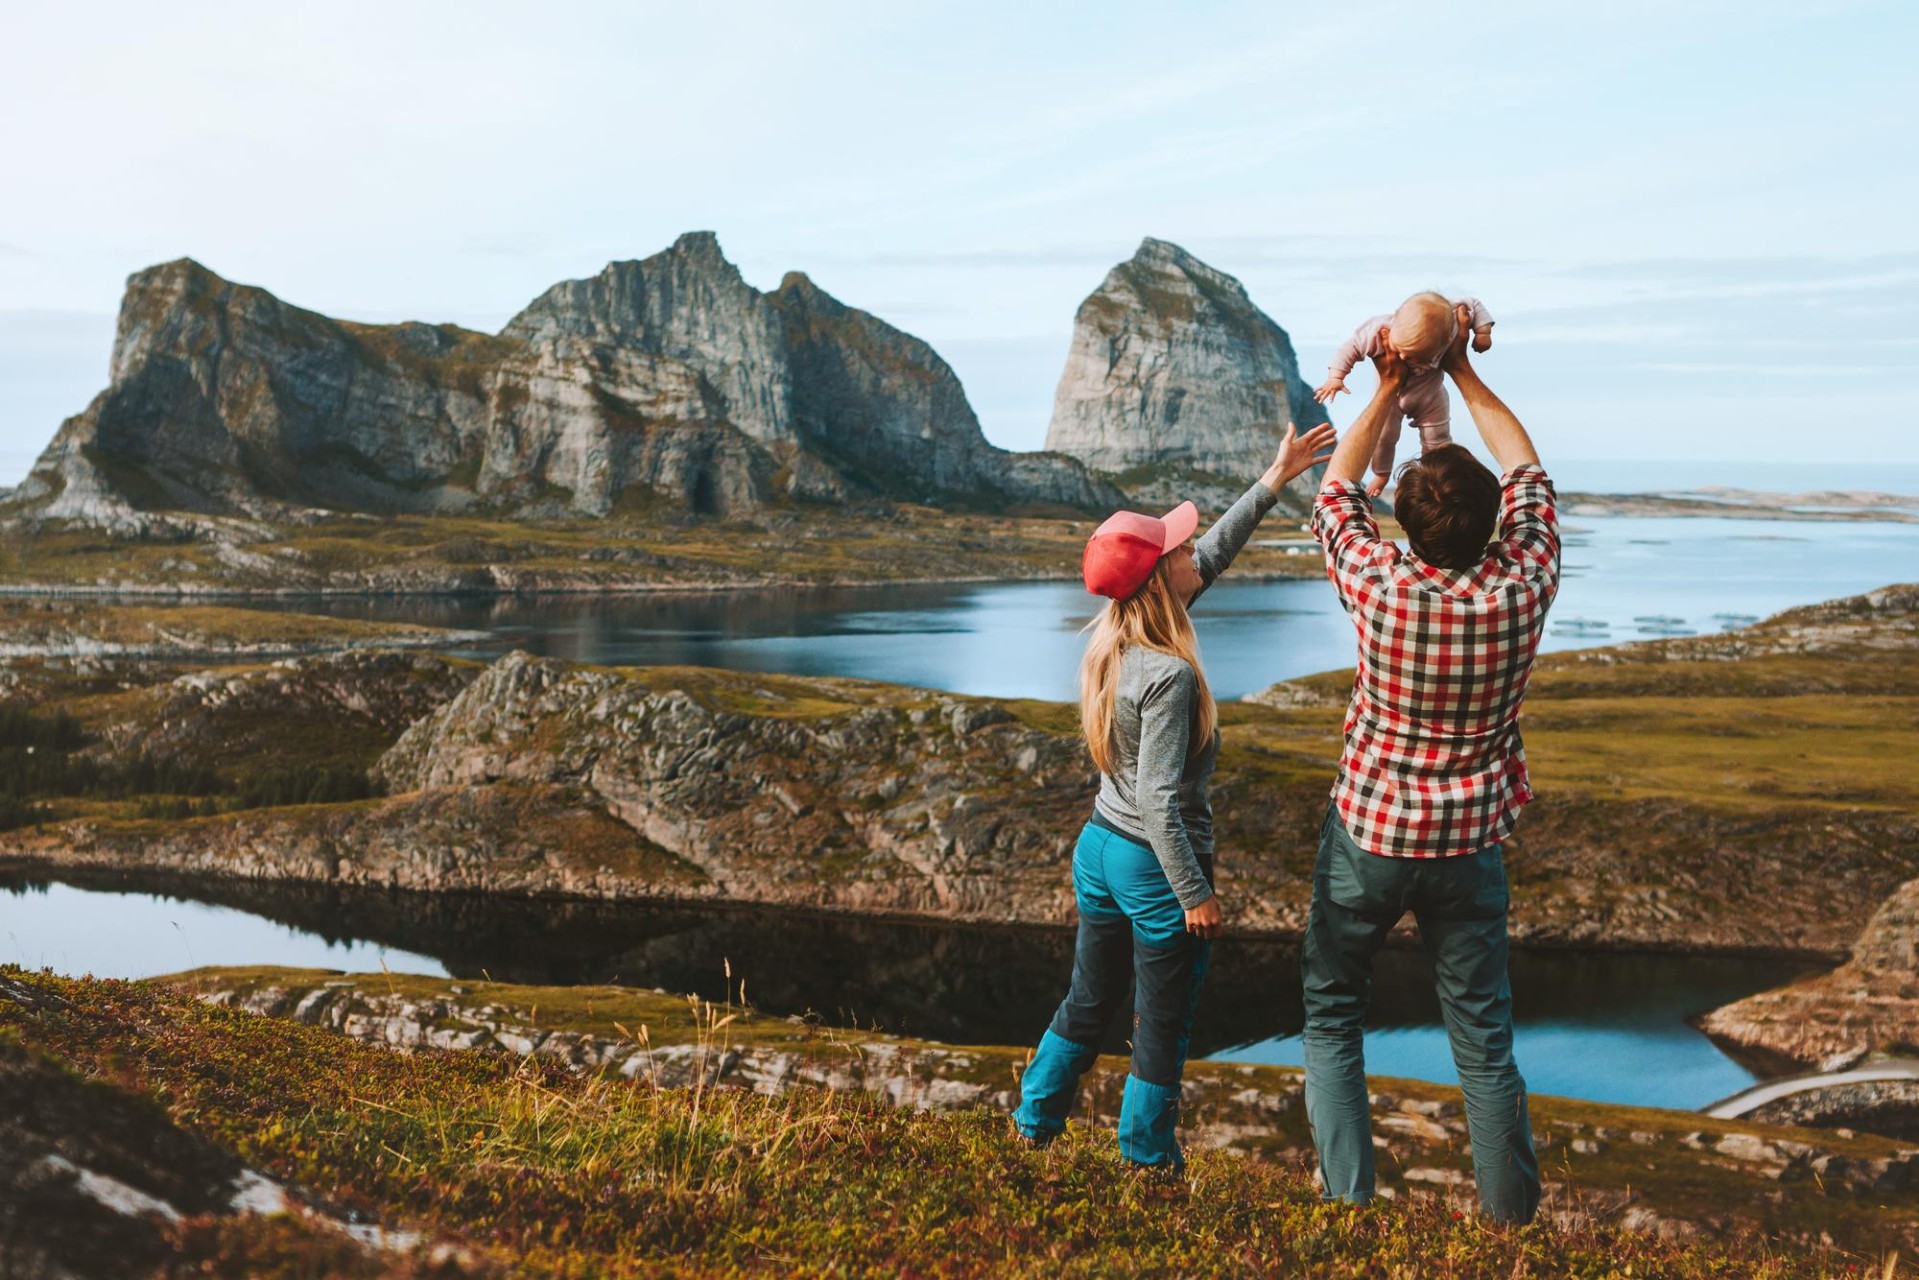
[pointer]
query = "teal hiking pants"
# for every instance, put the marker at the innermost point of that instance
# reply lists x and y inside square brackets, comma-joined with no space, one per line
[1132,933]
[1460,905]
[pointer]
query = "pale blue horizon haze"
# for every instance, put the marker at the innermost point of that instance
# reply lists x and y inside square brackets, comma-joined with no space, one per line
[1694,222]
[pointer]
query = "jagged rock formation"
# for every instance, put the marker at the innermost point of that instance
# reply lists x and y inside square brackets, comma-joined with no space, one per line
[1172,367]
[1869,1004]
[665,381]
[920,802]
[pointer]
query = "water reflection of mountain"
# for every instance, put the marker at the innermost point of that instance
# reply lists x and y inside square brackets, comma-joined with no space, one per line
[960,983]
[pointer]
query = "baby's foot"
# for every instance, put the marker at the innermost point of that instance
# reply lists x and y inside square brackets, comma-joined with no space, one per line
[1376,485]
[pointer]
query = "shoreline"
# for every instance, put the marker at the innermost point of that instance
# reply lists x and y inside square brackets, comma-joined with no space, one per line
[1403,939]
[506,580]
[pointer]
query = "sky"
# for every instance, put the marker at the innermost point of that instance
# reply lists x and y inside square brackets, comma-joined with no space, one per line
[1694,222]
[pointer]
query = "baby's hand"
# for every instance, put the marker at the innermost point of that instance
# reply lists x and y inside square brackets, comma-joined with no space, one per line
[1483,339]
[1329,388]
[1376,485]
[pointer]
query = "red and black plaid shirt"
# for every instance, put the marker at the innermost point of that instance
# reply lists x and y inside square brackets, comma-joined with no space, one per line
[1433,764]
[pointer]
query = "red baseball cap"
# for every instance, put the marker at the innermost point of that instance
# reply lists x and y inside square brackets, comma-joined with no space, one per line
[1122,552]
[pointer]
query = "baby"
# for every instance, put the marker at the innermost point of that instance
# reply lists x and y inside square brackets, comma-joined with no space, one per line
[1420,332]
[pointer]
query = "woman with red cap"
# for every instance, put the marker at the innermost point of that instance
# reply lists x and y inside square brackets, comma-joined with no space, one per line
[1142,870]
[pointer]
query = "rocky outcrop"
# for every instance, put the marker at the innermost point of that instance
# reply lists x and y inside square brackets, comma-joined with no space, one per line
[664,381]
[541,778]
[1172,368]
[1868,1005]
[1889,1107]
[759,1054]
[325,708]
[805,792]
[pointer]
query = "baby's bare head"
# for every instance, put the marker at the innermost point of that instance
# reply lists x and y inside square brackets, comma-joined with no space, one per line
[1422,327]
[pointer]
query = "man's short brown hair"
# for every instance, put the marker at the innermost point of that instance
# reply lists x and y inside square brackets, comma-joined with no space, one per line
[1447,501]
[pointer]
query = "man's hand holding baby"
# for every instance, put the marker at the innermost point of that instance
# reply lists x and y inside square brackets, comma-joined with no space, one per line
[1389,364]
[1391,368]
[1455,358]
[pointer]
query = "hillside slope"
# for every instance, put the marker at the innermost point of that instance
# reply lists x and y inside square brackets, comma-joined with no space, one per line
[492,1164]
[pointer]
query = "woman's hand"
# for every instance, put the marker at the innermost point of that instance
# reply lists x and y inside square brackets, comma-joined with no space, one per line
[1203,920]
[1298,453]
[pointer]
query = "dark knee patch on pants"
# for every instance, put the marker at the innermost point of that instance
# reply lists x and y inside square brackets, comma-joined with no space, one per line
[1102,973]
[1163,1005]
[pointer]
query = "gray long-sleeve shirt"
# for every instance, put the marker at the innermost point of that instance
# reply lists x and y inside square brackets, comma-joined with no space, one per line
[1156,793]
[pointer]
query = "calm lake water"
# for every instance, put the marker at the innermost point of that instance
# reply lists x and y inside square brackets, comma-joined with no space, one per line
[1605,1027]
[1625,578]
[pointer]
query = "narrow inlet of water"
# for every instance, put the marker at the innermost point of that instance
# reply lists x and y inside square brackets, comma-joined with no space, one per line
[1604,1026]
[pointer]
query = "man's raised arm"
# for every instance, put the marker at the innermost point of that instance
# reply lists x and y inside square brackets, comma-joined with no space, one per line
[1511,446]
[1355,451]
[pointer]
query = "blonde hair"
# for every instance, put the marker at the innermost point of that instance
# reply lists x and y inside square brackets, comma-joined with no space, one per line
[1423,325]
[1151,618]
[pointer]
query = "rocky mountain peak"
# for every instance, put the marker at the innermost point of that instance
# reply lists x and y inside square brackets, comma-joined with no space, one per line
[688,303]
[1172,367]
[668,378]
[700,244]
[798,282]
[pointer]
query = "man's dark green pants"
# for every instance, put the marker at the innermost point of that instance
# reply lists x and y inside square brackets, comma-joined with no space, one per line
[1460,906]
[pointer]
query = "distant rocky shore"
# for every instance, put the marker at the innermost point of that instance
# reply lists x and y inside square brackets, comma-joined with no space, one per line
[57,628]
[1825,506]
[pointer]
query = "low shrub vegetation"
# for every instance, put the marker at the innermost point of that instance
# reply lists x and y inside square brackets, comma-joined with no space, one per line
[50,756]
[534,1170]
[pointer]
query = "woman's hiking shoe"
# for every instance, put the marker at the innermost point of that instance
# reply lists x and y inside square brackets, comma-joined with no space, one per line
[1032,1141]
[1172,1174]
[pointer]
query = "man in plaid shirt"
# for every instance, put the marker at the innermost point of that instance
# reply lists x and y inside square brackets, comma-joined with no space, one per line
[1433,772]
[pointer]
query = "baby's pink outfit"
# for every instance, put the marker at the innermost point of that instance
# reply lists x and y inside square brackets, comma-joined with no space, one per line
[1422,397]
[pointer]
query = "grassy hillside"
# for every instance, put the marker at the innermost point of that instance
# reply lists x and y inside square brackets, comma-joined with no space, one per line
[31,627]
[488,1164]
[903,543]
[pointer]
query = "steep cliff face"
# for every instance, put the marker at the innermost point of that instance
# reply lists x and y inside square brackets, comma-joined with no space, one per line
[1173,367]
[665,381]
[688,305]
